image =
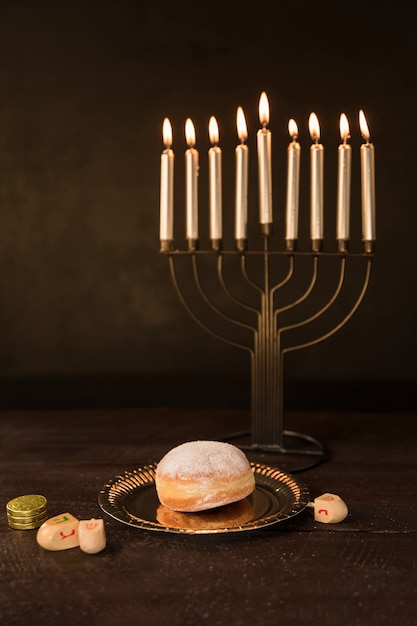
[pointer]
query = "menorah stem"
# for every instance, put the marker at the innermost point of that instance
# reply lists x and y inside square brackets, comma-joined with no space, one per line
[266,422]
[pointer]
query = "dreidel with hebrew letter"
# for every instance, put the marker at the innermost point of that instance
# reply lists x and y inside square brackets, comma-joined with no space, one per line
[92,535]
[59,533]
[329,508]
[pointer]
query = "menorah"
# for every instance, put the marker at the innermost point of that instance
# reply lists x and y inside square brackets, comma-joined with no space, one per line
[266,331]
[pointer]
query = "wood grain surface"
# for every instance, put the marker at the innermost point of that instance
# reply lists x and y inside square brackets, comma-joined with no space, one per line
[299,572]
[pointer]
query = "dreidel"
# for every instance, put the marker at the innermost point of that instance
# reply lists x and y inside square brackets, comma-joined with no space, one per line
[329,508]
[92,535]
[59,533]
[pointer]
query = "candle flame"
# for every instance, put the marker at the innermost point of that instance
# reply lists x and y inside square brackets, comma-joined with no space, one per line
[263,109]
[213,130]
[189,132]
[242,130]
[293,129]
[314,127]
[363,125]
[167,132]
[344,127]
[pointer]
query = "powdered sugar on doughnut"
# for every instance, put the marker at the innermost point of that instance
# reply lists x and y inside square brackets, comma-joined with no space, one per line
[203,459]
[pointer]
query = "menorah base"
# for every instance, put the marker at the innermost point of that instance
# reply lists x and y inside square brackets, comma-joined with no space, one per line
[290,455]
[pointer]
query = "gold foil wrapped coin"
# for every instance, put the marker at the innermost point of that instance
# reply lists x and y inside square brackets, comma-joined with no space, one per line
[26,525]
[28,518]
[27,505]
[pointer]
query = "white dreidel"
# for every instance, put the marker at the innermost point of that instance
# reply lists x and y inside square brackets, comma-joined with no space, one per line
[329,508]
[92,535]
[59,533]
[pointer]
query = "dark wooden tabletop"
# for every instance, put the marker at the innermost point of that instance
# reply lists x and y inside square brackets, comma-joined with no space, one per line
[296,572]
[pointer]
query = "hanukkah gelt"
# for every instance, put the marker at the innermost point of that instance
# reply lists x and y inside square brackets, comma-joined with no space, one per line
[27,512]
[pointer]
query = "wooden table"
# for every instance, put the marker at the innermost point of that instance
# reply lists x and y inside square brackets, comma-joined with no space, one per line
[297,572]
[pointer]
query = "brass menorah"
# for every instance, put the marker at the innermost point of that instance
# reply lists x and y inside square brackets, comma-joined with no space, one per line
[266,330]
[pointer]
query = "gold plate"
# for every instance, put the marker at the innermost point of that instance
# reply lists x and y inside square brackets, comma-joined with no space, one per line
[131,498]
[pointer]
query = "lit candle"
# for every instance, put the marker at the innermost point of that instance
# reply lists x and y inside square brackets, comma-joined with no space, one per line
[316,184]
[166,226]
[293,178]
[241,196]
[215,176]
[368,186]
[343,186]
[264,166]
[191,171]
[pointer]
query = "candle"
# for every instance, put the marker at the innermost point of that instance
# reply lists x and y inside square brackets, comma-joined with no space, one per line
[368,185]
[316,184]
[241,195]
[191,172]
[215,178]
[293,178]
[264,166]
[343,185]
[166,227]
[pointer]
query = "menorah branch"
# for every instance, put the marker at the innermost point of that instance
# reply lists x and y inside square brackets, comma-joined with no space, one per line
[338,326]
[195,317]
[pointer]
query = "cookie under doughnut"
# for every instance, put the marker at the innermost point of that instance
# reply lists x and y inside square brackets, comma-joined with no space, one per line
[201,475]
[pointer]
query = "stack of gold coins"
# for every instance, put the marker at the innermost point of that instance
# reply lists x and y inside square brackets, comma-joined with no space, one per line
[27,512]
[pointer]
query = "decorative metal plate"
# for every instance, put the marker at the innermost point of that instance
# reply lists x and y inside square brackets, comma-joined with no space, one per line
[131,498]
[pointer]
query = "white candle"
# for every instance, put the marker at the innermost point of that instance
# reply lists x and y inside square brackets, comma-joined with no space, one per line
[368,182]
[343,183]
[293,178]
[264,163]
[241,195]
[316,183]
[191,167]
[166,226]
[215,180]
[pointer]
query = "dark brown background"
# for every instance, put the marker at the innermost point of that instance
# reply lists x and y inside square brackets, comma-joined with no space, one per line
[88,315]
